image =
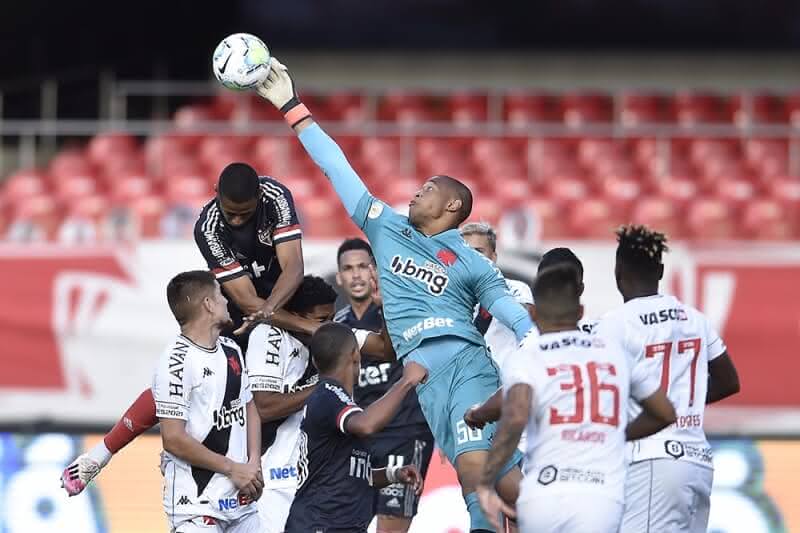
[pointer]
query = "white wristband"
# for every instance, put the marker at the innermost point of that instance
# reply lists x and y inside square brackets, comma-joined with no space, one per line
[391,474]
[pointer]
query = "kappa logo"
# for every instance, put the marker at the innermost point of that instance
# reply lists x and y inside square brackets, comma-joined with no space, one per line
[447,257]
[183,500]
[295,353]
[207,372]
[233,362]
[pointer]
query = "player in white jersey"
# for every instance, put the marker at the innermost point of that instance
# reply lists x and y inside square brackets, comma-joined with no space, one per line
[669,482]
[282,378]
[569,388]
[209,424]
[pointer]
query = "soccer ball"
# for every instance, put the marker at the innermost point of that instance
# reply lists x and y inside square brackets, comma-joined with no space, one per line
[241,61]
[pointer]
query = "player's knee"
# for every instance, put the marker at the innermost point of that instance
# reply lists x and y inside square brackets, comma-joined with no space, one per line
[392,524]
[468,467]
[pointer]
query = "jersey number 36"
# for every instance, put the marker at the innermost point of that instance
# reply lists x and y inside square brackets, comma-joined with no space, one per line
[573,380]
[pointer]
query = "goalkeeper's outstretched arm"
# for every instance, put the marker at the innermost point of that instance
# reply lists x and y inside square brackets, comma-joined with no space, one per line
[280,91]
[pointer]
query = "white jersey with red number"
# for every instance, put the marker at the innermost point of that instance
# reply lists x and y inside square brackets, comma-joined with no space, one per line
[675,342]
[576,430]
[209,390]
[277,362]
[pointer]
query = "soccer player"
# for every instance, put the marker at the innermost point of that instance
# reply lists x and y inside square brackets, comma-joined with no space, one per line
[479,415]
[500,340]
[281,379]
[407,438]
[430,281]
[250,238]
[669,481]
[569,388]
[336,478]
[209,423]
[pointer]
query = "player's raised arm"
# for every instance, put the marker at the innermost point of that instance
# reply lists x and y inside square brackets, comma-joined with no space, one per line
[493,294]
[280,91]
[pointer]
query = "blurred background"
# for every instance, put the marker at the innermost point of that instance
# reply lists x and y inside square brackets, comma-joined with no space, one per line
[565,117]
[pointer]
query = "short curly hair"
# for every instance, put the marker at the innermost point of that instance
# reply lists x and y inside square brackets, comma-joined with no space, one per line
[312,291]
[640,248]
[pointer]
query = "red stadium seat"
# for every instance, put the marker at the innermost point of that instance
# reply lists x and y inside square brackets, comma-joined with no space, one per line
[23,184]
[766,219]
[588,107]
[594,219]
[69,163]
[759,108]
[679,190]
[179,188]
[73,187]
[551,217]
[105,146]
[566,189]
[486,209]
[520,108]
[697,107]
[736,192]
[710,219]
[621,192]
[35,218]
[786,191]
[129,187]
[301,187]
[466,108]
[659,213]
[644,108]
[146,212]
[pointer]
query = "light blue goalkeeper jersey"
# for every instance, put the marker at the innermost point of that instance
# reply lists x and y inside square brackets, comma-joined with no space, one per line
[430,285]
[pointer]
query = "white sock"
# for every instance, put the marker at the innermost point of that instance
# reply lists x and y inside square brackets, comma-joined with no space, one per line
[100,454]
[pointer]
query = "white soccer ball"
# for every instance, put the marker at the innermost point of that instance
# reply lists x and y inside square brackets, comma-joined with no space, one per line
[241,61]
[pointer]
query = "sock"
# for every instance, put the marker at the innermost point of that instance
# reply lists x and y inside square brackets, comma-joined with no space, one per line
[139,417]
[476,519]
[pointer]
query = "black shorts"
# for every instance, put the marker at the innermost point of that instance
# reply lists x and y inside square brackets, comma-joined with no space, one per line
[398,499]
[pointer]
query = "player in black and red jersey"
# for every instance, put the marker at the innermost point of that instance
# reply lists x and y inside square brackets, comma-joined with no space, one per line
[250,237]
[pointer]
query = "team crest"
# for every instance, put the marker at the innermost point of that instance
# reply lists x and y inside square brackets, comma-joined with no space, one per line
[447,257]
[265,236]
[233,362]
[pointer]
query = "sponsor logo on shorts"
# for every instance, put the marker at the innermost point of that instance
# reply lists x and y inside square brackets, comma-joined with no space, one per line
[183,500]
[674,449]
[394,502]
[580,475]
[287,472]
[230,504]
[432,275]
[547,475]
[395,491]
[428,323]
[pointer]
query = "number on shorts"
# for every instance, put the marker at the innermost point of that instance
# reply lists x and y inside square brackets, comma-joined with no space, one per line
[596,388]
[468,434]
[664,349]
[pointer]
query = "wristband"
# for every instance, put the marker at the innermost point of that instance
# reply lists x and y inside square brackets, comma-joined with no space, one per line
[391,474]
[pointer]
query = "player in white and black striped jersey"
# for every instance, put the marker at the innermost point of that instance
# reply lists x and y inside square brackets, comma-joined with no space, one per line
[210,426]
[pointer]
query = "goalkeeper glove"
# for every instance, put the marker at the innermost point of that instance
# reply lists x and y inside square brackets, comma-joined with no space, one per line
[279,89]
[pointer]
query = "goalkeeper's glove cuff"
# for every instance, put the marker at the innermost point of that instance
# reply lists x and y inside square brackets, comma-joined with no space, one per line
[294,111]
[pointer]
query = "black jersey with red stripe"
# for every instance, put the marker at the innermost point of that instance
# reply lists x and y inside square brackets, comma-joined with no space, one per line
[231,252]
[334,471]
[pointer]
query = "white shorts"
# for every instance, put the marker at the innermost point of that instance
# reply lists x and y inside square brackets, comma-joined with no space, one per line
[274,506]
[249,523]
[665,495]
[568,513]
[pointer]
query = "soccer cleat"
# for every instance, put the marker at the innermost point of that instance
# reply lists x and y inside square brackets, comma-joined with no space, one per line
[78,474]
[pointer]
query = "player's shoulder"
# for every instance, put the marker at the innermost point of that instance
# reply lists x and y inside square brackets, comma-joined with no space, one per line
[328,388]
[210,218]
[267,333]
[520,290]
[230,343]
[342,314]
[271,187]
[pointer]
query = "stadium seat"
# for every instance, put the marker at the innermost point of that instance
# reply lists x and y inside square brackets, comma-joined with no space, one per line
[645,108]
[550,215]
[659,213]
[71,162]
[467,108]
[587,107]
[594,218]
[621,192]
[759,108]
[129,187]
[520,108]
[697,107]
[678,190]
[179,188]
[566,189]
[82,222]
[145,212]
[35,219]
[23,184]
[736,192]
[74,187]
[766,219]
[106,146]
[710,219]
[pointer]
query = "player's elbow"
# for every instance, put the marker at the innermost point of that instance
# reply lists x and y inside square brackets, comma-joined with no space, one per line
[173,442]
[267,407]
